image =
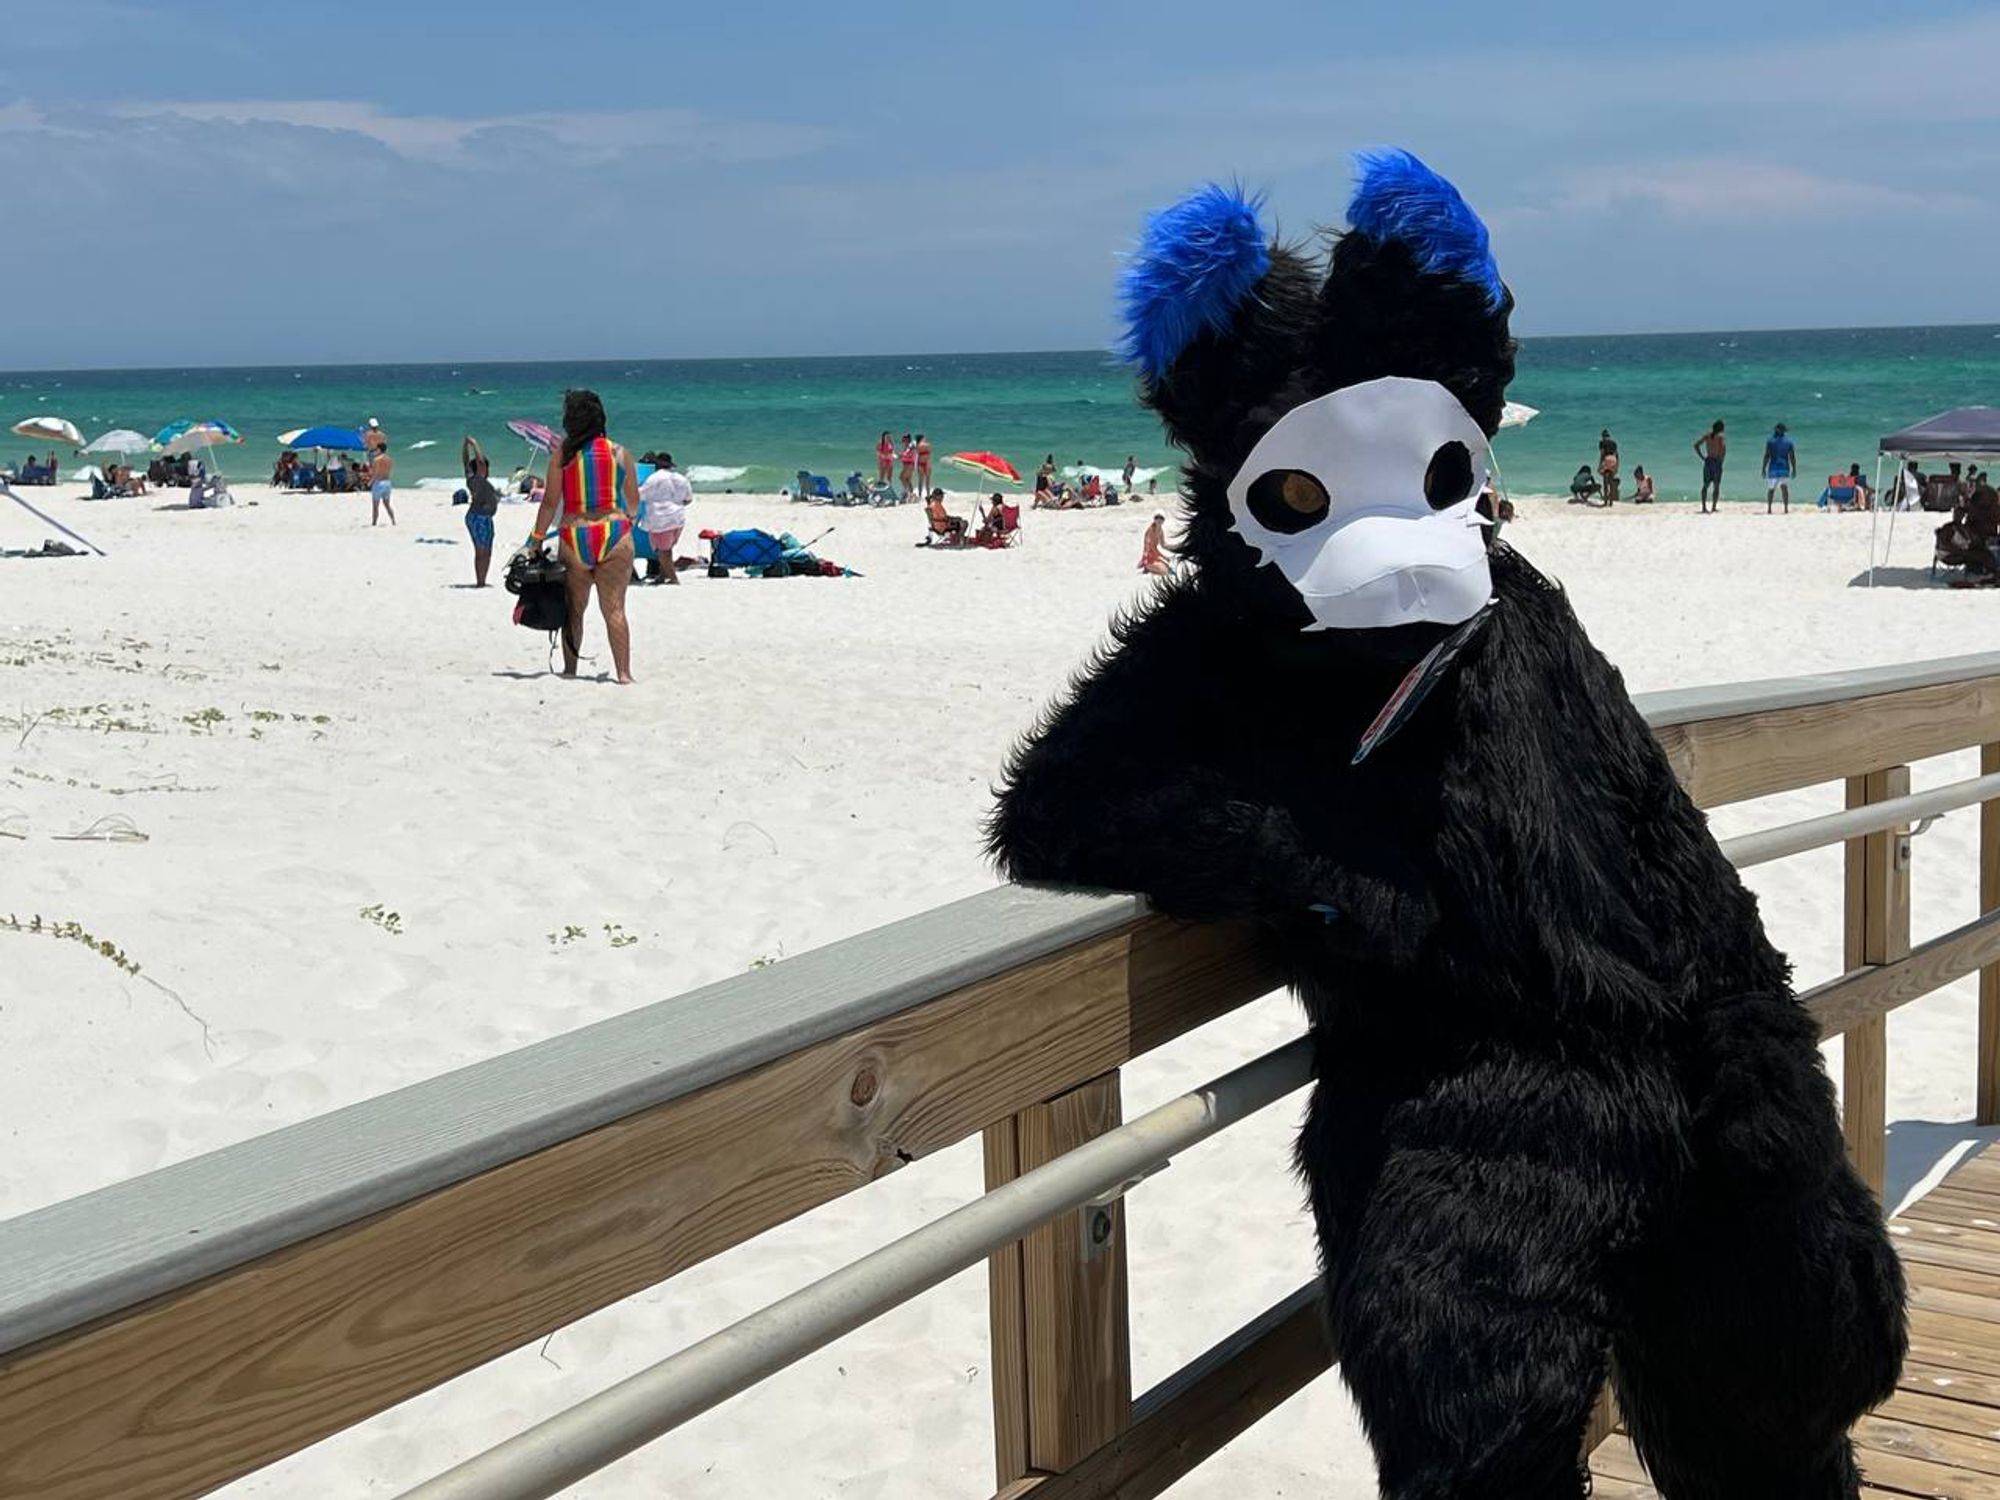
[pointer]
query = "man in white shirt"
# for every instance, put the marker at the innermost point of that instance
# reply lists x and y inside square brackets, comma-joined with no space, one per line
[663,501]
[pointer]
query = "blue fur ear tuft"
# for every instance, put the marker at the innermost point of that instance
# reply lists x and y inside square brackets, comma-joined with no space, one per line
[1196,263]
[1397,197]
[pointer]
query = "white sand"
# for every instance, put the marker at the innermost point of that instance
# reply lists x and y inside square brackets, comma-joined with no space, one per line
[801,760]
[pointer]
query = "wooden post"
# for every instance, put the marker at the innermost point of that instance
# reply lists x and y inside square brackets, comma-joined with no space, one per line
[1989,977]
[1878,932]
[1062,1357]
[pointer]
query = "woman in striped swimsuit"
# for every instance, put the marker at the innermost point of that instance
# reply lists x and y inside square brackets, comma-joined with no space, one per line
[595,483]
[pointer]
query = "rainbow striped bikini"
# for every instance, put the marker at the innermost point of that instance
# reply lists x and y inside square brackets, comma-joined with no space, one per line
[593,488]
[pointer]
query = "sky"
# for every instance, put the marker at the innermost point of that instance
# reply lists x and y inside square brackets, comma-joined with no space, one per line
[241,181]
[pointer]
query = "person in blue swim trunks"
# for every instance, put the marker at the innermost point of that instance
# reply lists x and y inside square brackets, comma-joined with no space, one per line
[482,505]
[1712,447]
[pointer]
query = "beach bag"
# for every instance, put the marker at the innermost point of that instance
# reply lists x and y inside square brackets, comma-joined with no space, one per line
[541,595]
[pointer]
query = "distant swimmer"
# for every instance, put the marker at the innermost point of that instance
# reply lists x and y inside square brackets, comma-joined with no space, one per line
[1712,447]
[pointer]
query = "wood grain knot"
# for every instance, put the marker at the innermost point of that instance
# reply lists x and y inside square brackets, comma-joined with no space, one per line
[865,1086]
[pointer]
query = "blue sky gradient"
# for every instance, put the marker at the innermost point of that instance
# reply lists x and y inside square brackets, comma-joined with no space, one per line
[221,181]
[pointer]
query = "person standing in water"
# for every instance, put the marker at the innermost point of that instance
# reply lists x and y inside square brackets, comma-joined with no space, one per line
[1711,447]
[482,504]
[594,483]
[380,486]
[1131,468]
[907,459]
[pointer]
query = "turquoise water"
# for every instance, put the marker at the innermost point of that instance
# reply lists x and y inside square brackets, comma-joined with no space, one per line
[749,424]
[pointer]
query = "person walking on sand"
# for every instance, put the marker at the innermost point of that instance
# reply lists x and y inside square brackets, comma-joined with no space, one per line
[923,463]
[380,485]
[482,504]
[593,482]
[907,461]
[1153,550]
[1781,462]
[1712,447]
[1607,465]
[885,458]
[665,496]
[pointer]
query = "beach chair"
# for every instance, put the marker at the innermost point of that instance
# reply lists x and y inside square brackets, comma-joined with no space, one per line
[1009,532]
[1840,493]
[1955,547]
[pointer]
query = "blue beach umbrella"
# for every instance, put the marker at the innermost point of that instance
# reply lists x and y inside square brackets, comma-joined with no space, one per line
[346,439]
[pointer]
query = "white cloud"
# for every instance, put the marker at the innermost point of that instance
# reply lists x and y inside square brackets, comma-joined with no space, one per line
[1727,189]
[678,134]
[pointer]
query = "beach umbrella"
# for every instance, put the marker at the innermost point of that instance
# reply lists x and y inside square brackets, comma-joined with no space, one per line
[211,434]
[50,430]
[1515,414]
[992,465]
[119,440]
[165,436]
[535,434]
[346,439]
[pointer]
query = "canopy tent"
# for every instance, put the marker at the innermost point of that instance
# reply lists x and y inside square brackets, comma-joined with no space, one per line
[1967,434]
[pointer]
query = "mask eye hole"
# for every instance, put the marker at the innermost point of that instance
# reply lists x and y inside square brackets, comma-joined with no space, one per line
[1448,480]
[1287,501]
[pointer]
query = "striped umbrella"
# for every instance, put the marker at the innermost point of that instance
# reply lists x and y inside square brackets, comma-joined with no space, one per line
[535,434]
[50,430]
[191,434]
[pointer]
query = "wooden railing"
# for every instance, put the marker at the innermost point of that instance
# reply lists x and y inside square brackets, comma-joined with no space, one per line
[162,1336]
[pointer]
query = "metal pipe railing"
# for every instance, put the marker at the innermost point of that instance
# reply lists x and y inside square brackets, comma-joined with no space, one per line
[541,1460]
[1813,833]
[604,1428]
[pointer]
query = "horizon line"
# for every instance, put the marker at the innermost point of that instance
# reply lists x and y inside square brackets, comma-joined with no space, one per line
[697,359]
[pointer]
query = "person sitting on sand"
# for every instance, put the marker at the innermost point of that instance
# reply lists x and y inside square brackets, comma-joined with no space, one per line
[1862,489]
[1044,496]
[1093,488]
[596,485]
[482,504]
[1582,485]
[288,463]
[1982,526]
[943,523]
[1642,487]
[1153,550]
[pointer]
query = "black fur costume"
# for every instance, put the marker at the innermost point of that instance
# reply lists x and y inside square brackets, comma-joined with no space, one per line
[1569,1118]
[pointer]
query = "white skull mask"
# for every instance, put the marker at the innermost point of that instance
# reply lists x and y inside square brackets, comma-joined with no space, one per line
[1366,500]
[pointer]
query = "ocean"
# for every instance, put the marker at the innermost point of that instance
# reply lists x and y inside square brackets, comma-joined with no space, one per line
[750,424]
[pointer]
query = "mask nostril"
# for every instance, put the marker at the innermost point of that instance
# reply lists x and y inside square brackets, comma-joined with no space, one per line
[1448,480]
[1287,501]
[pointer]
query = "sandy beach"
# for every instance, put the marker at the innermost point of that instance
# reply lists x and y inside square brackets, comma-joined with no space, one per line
[381,842]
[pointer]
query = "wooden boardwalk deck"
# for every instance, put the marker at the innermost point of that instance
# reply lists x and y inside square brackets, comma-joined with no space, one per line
[1939,1435]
